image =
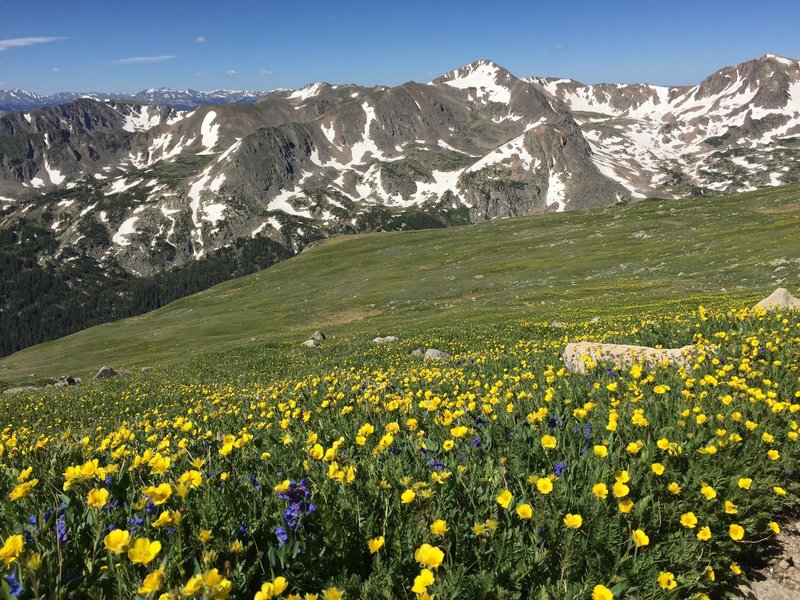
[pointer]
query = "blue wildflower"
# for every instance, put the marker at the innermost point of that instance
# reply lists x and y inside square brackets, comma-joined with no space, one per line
[282,536]
[15,587]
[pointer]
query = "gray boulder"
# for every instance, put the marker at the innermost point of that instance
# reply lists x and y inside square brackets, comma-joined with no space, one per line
[106,372]
[318,336]
[780,298]
[385,340]
[419,352]
[18,390]
[434,354]
[67,381]
[312,343]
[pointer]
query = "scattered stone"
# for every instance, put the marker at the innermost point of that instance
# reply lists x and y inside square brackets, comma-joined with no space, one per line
[478,277]
[557,325]
[312,343]
[434,354]
[318,336]
[143,369]
[105,372]
[640,235]
[68,380]
[623,355]
[24,388]
[418,352]
[595,320]
[385,340]
[780,298]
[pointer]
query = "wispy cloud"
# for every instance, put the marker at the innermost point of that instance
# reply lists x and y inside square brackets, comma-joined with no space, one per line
[267,72]
[27,41]
[55,69]
[133,60]
[559,47]
[200,39]
[231,72]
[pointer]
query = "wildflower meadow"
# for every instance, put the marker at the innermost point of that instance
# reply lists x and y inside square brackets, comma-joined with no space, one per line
[359,471]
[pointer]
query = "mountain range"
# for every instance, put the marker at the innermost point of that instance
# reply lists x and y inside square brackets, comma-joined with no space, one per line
[141,189]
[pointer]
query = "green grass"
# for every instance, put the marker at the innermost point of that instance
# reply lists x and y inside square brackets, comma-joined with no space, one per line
[548,267]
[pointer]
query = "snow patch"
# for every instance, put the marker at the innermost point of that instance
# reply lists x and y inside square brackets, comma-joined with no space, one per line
[146,118]
[209,131]
[127,228]
[483,78]
[556,192]
[306,92]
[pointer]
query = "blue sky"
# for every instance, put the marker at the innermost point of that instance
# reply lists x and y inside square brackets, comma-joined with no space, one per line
[87,45]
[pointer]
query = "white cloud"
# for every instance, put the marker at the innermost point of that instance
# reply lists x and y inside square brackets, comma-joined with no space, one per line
[200,39]
[26,41]
[267,72]
[141,59]
[231,72]
[55,69]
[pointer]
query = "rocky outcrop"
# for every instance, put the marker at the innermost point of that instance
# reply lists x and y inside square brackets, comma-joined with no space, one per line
[780,299]
[580,356]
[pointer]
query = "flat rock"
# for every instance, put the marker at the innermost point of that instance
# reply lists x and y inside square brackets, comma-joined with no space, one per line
[67,380]
[418,352]
[18,390]
[312,343]
[385,340]
[317,336]
[434,354]
[780,298]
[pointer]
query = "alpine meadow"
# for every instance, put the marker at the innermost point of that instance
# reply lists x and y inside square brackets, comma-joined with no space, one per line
[496,335]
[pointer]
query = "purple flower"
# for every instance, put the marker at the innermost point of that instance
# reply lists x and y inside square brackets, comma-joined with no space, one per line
[61,529]
[559,468]
[282,536]
[15,587]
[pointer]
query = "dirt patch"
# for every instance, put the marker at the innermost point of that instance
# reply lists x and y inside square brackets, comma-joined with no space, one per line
[778,576]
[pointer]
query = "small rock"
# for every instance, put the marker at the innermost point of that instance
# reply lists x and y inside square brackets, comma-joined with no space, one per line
[68,380]
[784,564]
[434,354]
[418,352]
[105,372]
[143,369]
[318,336]
[312,343]
[557,325]
[478,277]
[385,340]
[595,320]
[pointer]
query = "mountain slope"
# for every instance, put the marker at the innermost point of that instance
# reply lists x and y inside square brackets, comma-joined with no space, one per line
[540,267]
[738,129]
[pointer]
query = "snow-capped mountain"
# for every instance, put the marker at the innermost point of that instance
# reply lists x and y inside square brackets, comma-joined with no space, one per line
[19,100]
[737,130]
[147,187]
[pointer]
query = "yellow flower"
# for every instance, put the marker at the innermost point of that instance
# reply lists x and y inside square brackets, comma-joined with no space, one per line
[408,496]
[704,533]
[117,540]
[524,511]
[422,581]
[573,521]
[620,489]
[688,520]
[549,442]
[439,527]
[151,583]
[23,489]
[657,468]
[282,487]
[730,507]
[459,431]
[640,538]
[779,490]
[478,529]
[332,594]
[317,452]
[773,455]
[667,580]
[710,573]
[661,389]
[736,532]
[633,447]
[622,476]
[600,451]
[737,570]
[204,535]
[448,445]
[193,587]
[745,483]
[626,506]
[375,544]
[600,490]
[674,488]
[601,592]
[612,387]
[143,551]
[237,547]
[428,555]
[708,492]
[11,549]
[97,498]
[544,485]
[774,527]
[158,494]
[504,498]
[192,479]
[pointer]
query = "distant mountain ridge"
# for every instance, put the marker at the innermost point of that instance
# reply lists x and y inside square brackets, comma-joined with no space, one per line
[137,189]
[18,100]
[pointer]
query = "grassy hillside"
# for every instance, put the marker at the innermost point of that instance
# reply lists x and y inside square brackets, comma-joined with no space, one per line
[545,267]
